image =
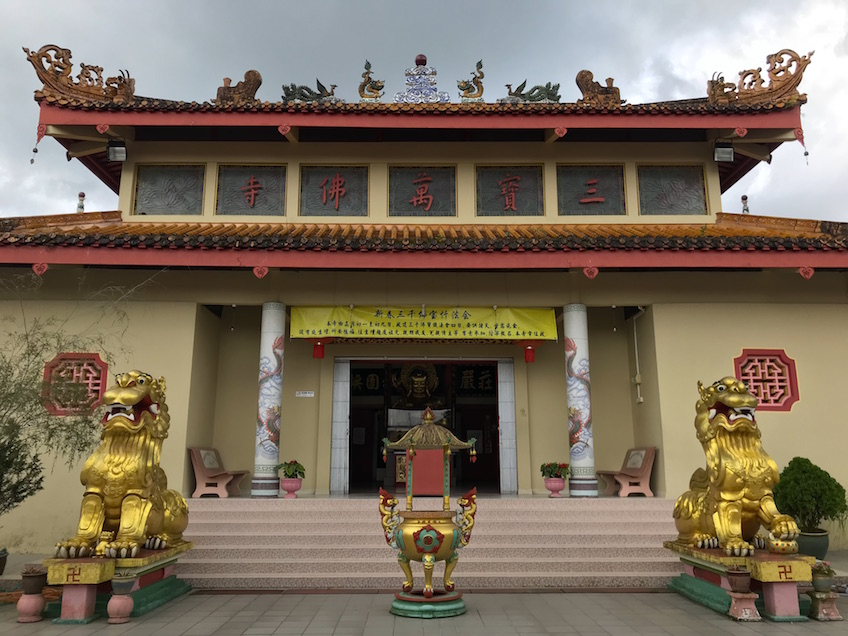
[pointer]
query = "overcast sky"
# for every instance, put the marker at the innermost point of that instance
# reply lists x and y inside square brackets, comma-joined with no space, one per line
[656,50]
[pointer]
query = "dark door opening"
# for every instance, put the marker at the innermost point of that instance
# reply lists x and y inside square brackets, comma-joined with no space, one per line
[386,400]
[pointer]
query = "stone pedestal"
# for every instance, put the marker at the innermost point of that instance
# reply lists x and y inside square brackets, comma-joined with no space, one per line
[147,581]
[30,607]
[776,576]
[823,606]
[743,606]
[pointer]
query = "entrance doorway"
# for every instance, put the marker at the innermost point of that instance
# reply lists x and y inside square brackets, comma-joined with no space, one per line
[386,400]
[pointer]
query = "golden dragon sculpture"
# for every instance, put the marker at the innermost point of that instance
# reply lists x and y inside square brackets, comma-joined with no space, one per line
[474,88]
[127,504]
[731,498]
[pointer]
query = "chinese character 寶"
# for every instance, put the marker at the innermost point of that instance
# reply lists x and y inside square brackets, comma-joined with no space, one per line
[509,188]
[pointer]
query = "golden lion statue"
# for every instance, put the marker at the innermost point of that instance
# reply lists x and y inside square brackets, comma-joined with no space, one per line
[728,501]
[127,504]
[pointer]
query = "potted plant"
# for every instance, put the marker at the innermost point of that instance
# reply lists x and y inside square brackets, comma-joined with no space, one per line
[738,579]
[32,602]
[33,579]
[554,474]
[822,576]
[810,495]
[291,477]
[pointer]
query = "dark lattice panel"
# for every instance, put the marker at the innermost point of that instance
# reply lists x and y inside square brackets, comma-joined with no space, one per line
[510,191]
[672,190]
[587,190]
[169,190]
[251,190]
[334,191]
[424,191]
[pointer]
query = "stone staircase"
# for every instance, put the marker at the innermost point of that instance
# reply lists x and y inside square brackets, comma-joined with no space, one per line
[337,543]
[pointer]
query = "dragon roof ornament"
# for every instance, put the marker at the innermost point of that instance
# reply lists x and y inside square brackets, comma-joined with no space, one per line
[785,71]
[242,94]
[596,95]
[53,66]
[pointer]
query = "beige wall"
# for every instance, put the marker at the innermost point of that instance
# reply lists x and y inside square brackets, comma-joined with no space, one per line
[695,342]
[158,339]
[464,156]
[200,424]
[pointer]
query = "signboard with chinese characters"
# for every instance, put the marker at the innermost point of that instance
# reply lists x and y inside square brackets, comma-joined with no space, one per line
[510,191]
[251,190]
[334,191]
[448,323]
[672,190]
[586,190]
[169,190]
[424,191]
[475,380]
[369,381]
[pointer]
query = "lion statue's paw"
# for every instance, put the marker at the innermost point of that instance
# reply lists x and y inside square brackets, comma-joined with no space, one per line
[759,542]
[73,549]
[156,542]
[738,547]
[705,541]
[122,549]
[783,527]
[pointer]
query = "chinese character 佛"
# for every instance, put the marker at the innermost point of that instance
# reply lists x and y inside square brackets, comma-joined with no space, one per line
[422,187]
[250,190]
[335,192]
[509,188]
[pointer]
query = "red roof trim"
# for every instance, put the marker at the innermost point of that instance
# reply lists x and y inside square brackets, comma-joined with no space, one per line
[447,260]
[755,120]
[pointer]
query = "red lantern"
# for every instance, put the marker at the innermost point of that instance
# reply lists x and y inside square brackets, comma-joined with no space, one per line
[529,347]
[318,346]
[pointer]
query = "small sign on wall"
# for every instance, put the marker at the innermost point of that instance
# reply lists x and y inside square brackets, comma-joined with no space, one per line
[304,393]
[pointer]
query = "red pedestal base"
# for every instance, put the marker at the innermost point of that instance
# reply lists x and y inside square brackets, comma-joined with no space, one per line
[30,607]
[743,606]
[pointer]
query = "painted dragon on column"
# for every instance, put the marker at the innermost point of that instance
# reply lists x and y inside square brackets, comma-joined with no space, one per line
[731,498]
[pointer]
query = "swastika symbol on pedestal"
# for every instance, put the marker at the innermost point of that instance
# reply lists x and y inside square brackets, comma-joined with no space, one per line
[784,572]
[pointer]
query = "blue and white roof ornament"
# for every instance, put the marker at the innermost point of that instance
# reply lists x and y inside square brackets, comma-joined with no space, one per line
[421,85]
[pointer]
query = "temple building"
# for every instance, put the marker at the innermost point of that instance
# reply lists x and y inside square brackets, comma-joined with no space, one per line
[309,274]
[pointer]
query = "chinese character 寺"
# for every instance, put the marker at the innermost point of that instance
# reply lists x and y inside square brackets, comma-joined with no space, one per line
[591,190]
[509,188]
[336,191]
[422,183]
[250,190]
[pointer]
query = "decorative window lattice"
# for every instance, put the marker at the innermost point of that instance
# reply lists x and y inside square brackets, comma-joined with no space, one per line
[74,383]
[771,376]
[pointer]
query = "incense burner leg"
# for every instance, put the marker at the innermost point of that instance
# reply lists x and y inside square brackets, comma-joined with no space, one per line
[450,564]
[403,562]
[429,562]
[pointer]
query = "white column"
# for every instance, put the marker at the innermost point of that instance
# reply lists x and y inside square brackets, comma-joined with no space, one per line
[508,448]
[265,481]
[339,444]
[582,482]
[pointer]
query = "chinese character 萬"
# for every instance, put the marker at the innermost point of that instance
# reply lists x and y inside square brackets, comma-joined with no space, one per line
[422,183]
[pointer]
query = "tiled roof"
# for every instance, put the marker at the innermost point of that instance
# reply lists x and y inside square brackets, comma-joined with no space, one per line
[149,104]
[730,232]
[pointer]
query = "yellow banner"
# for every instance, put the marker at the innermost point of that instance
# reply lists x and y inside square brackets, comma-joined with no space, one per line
[447,323]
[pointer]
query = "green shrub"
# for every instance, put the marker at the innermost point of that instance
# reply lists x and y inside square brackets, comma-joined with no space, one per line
[810,495]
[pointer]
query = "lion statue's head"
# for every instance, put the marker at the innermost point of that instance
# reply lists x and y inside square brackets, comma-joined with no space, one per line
[136,402]
[727,405]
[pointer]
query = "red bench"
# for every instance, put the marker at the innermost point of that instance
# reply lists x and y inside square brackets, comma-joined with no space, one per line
[211,477]
[634,476]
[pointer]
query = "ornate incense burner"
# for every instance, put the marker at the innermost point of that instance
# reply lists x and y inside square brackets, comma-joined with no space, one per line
[729,499]
[428,536]
[127,504]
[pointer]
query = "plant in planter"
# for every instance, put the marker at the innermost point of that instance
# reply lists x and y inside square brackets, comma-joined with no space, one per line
[291,477]
[32,602]
[738,578]
[34,578]
[822,576]
[810,495]
[554,474]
